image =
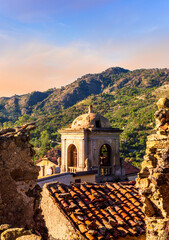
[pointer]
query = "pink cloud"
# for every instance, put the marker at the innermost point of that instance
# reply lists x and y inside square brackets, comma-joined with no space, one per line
[38,66]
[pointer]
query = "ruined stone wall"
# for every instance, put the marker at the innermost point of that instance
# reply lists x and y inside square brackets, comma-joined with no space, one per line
[153,179]
[19,193]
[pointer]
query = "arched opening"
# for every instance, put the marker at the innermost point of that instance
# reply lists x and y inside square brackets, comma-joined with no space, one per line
[72,158]
[49,171]
[105,160]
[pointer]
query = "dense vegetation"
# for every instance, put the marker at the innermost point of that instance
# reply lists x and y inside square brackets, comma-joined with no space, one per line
[127,99]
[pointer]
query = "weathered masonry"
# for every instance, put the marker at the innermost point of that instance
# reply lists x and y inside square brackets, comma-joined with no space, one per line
[19,192]
[153,179]
[89,144]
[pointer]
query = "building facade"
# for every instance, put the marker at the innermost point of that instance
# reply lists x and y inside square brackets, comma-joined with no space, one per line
[47,167]
[91,144]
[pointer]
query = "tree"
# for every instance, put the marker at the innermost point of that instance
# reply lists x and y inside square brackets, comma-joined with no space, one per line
[44,140]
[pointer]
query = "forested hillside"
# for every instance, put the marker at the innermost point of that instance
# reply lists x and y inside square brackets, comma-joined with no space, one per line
[126,98]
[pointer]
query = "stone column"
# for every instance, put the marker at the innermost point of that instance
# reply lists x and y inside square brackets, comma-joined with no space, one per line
[153,179]
[93,149]
[63,155]
[81,157]
[117,159]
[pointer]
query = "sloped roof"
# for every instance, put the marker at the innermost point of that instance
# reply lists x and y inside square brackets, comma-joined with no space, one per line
[101,211]
[130,169]
[46,159]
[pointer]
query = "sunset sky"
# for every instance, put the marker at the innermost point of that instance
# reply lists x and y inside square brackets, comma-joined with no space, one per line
[50,43]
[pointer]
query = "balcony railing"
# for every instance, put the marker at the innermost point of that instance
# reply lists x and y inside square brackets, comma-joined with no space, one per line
[72,169]
[105,170]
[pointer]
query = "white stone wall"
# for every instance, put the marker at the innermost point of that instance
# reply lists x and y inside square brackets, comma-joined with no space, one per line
[88,146]
[65,178]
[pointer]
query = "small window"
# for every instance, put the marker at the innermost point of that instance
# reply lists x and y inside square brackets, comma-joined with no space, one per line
[78,180]
[97,124]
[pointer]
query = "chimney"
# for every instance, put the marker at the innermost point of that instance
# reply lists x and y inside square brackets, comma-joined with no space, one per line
[153,179]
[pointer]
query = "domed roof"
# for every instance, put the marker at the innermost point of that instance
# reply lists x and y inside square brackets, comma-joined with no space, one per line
[90,120]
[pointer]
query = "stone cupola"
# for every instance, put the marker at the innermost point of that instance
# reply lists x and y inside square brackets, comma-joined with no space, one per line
[90,143]
[90,120]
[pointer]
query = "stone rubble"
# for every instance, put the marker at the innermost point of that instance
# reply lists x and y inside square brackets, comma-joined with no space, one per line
[19,192]
[8,233]
[153,179]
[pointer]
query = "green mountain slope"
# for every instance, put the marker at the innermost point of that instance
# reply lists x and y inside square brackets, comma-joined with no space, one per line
[126,98]
[13,107]
[55,99]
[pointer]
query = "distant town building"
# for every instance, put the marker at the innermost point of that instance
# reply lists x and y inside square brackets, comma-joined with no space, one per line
[48,167]
[85,176]
[69,178]
[130,171]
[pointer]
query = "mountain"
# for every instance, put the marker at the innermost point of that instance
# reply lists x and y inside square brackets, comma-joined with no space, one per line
[126,98]
[13,107]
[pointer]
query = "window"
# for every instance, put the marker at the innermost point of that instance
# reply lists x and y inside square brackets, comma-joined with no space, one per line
[105,160]
[97,122]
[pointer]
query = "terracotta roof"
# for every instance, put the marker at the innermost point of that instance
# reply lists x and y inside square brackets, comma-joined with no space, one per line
[46,159]
[130,169]
[101,211]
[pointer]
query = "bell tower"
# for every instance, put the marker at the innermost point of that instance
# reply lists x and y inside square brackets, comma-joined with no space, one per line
[91,144]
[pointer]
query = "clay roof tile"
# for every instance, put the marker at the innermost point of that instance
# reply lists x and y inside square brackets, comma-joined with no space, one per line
[101,211]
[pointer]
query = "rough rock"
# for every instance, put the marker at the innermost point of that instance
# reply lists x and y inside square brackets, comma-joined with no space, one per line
[17,234]
[29,237]
[163,103]
[14,233]
[18,177]
[4,227]
[153,179]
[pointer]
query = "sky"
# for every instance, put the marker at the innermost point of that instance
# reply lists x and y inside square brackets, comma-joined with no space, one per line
[50,43]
